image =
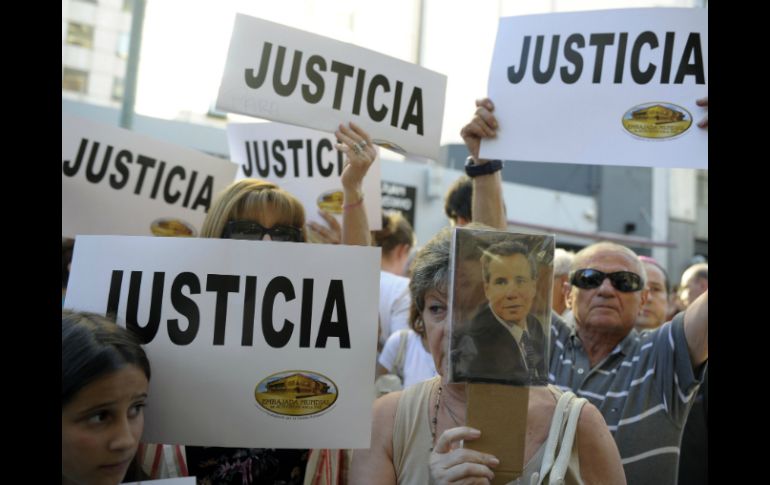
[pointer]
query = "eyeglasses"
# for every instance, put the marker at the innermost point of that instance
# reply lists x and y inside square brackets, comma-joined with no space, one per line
[624,281]
[254,231]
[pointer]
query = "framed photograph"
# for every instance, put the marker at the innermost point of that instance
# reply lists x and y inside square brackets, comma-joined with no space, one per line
[500,301]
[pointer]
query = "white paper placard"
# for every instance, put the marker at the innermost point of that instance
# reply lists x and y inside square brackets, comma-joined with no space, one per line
[115,181]
[292,76]
[223,319]
[620,90]
[301,161]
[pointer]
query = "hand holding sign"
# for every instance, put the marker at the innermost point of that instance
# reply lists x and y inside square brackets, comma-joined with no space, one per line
[703,102]
[483,125]
[358,147]
[317,233]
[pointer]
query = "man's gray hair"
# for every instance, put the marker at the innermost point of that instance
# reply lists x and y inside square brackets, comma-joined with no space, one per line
[562,262]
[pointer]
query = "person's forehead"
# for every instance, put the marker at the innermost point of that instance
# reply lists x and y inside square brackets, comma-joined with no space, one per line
[509,263]
[609,261]
[654,274]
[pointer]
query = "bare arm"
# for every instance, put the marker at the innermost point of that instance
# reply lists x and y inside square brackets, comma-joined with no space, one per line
[487,204]
[375,465]
[598,454]
[355,226]
[696,329]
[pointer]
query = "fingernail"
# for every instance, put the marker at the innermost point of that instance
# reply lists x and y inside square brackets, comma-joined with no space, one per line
[475,432]
[494,461]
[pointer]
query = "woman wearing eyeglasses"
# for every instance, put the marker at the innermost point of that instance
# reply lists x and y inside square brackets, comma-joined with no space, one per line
[261,211]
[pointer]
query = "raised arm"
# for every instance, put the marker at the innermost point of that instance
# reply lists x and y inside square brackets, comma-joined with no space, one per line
[487,205]
[360,151]
[598,454]
[375,465]
[696,329]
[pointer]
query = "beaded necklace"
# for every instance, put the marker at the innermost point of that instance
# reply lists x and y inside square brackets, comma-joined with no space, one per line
[434,421]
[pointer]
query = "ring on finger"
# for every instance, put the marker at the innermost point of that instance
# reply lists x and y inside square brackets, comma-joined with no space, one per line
[357,149]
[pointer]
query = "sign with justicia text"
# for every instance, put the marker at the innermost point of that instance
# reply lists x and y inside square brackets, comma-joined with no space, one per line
[303,162]
[252,344]
[115,181]
[292,76]
[610,87]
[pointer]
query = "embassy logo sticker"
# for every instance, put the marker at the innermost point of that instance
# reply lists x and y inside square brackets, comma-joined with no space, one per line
[296,393]
[656,120]
[168,227]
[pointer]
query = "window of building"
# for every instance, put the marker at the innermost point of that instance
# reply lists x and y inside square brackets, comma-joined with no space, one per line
[117,89]
[80,34]
[123,44]
[74,80]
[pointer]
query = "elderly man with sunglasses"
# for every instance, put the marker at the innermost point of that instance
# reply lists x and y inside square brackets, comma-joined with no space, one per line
[643,384]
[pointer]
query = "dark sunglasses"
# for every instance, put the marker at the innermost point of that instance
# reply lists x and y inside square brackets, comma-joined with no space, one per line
[254,231]
[624,281]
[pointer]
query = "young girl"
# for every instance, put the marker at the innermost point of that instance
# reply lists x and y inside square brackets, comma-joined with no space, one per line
[105,376]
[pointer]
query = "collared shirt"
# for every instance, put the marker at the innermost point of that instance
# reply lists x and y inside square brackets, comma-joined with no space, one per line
[644,389]
[515,330]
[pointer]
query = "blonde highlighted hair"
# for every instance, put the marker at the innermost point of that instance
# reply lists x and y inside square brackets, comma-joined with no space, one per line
[395,231]
[248,199]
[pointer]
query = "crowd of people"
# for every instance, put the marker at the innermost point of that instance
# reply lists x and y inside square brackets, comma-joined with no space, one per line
[634,369]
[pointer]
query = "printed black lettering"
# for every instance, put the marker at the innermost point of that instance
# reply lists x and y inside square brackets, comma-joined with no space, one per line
[221,285]
[342,70]
[248,167]
[359,91]
[639,76]
[255,82]
[69,169]
[187,307]
[91,175]
[309,156]
[621,57]
[514,76]
[600,41]
[113,300]
[542,77]
[295,145]
[167,195]
[396,104]
[335,298]
[325,170]
[204,194]
[282,89]
[374,113]
[691,49]
[668,51]
[263,171]
[123,157]
[279,160]
[414,112]
[158,178]
[249,306]
[307,313]
[315,78]
[145,162]
[190,185]
[574,57]
[146,332]
[276,338]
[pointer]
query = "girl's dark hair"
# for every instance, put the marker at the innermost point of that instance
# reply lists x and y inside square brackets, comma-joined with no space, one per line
[395,231]
[93,346]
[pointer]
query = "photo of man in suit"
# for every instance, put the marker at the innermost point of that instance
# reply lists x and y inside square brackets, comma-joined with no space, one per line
[504,343]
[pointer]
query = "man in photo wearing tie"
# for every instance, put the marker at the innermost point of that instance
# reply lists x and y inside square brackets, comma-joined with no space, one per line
[504,343]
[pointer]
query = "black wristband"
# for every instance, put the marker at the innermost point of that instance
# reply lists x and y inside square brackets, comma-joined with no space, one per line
[473,170]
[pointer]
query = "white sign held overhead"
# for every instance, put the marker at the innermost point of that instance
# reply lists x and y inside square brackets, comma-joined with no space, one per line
[303,162]
[292,76]
[612,87]
[252,344]
[115,181]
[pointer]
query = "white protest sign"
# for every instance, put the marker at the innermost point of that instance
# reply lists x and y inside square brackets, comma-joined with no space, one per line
[303,162]
[284,74]
[612,87]
[252,344]
[115,181]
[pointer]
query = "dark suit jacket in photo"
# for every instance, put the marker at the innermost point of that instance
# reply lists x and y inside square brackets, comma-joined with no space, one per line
[494,355]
